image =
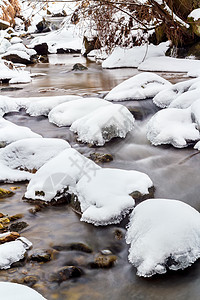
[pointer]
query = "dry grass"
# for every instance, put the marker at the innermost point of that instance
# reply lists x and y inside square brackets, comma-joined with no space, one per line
[9,10]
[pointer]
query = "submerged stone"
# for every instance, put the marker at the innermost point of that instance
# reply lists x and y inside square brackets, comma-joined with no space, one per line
[18,226]
[5,193]
[66,273]
[73,246]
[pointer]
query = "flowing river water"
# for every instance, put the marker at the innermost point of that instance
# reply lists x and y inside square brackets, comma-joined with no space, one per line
[175,173]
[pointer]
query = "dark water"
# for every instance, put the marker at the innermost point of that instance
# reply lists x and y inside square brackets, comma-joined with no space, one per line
[175,174]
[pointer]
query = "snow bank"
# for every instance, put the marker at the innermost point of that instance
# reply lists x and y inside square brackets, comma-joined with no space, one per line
[122,57]
[195,111]
[43,105]
[10,132]
[58,175]
[163,234]
[30,154]
[66,37]
[103,124]
[186,99]
[12,252]
[65,114]
[138,87]
[10,291]
[169,64]
[172,126]
[104,195]
[4,45]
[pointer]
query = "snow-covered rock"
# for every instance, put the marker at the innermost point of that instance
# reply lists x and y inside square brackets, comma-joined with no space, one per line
[26,78]
[163,234]
[43,105]
[103,124]
[14,251]
[195,111]
[65,114]
[165,97]
[104,195]
[31,154]
[172,126]
[66,38]
[58,175]
[17,56]
[16,40]
[138,87]
[10,132]
[9,175]
[17,291]
[22,47]
[122,57]
[4,45]
[7,105]
[186,99]
[8,71]
[169,64]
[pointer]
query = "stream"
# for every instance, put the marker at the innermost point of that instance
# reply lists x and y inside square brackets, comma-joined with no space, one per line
[174,172]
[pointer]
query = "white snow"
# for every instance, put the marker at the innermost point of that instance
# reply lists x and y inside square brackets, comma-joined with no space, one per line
[16,40]
[167,96]
[195,111]
[172,126]
[59,174]
[104,195]
[163,234]
[22,47]
[31,154]
[4,45]
[19,53]
[12,252]
[10,291]
[43,105]
[66,113]
[138,87]
[169,64]
[195,14]
[186,99]
[10,132]
[122,57]
[104,124]
[9,175]
[26,78]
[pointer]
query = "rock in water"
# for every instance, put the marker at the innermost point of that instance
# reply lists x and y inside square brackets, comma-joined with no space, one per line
[10,291]
[163,234]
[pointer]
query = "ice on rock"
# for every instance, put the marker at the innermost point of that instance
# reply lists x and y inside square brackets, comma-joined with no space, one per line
[163,234]
[66,113]
[167,96]
[43,105]
[30,154]
[59,175]
[105,197]
[103,124]
[11,291]
[11,252]
[7,105]
[10,132]
[139,87]
[172,126]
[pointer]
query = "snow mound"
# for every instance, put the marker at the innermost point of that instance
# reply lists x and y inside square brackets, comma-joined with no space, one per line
[17,291]
[31,154]
[166,97]
[12,252]
[58,175]
[172,126]
[195,14]
[122,57]
[43,105]
[186,99]
[9,175]
[104,124]
[8,105]
[105,197]
[10,132]
[195,111]
[163,234]
[169,64]
[65,114]
[139,87]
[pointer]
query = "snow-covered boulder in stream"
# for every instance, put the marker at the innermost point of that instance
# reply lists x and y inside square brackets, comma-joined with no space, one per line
[31,154]
[43,105]
[66,113]
[13,251]
[55,178]
[10,291]
[10,132]
[167,96]
[105,195]
[103,124]
[186,99]
[9,175]
[172,126]
[163,234]
[139,87]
